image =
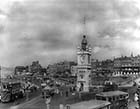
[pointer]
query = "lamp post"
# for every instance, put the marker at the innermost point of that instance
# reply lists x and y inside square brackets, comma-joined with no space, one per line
[27,90]
[47,97]
[47,101]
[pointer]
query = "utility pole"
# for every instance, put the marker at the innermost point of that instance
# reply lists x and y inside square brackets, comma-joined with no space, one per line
[137,97]
[0,75]
[47,101]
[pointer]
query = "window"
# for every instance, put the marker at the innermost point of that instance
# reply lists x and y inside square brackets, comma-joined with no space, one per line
[121,96]
[89,59]
[127,95]
[81,76]
[117,98]
[103,98]
[98,98]
[110,99]
[81,71]
[113,98]
[4,86]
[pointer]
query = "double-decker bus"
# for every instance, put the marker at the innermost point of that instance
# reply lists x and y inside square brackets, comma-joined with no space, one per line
[118,99]
[91,104]
[10,90]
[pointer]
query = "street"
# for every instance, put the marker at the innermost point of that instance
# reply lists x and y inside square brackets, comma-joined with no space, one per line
[19,101]
[37,102]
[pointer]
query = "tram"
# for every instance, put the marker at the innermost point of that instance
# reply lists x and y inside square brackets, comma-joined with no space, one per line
[10,90]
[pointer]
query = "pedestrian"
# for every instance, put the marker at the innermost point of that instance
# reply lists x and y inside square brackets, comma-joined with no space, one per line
[27,95]
[57,91]
[16,101]
[61,93]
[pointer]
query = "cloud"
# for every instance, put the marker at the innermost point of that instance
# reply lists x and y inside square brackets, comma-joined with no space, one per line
[49,30]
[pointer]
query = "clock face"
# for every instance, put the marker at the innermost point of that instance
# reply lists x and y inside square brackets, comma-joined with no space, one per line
[82,58]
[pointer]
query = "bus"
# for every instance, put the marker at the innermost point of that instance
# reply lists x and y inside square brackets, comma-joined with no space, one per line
[10,90]
[118,99]
[91,104]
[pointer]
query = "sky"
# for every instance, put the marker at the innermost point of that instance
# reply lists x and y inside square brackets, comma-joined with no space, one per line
[51,30]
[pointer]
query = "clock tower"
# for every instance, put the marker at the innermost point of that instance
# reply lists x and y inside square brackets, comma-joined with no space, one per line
[84,66]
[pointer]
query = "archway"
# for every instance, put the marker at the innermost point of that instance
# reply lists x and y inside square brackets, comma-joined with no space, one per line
[81,86]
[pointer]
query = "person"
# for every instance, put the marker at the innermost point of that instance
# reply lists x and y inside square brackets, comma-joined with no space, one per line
[61,93]
[16,101]
[27,95]
[57,91]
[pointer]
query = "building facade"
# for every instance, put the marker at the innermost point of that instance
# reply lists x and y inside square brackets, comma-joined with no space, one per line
[74,70]
[35,67]
[127,66]
[21,70]
[121,66]
[61,67]
[102,68]
[84,66]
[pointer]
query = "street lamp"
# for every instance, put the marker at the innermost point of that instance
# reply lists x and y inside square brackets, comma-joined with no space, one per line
[47,96]
[47,101]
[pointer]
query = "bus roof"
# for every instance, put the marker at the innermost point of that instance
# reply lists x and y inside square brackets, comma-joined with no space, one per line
[112,93]
[92,104]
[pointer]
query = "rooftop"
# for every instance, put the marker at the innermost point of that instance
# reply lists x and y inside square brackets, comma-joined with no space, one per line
[92,104]
[112,93]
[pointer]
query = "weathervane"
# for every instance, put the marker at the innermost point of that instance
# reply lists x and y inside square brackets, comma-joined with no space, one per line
[84,40]
[84,26]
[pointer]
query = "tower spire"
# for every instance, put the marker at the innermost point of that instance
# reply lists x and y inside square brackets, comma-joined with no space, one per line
[84,26]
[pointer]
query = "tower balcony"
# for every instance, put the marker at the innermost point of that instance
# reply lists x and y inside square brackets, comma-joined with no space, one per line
[84,66]
[83,52]
[88,49]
